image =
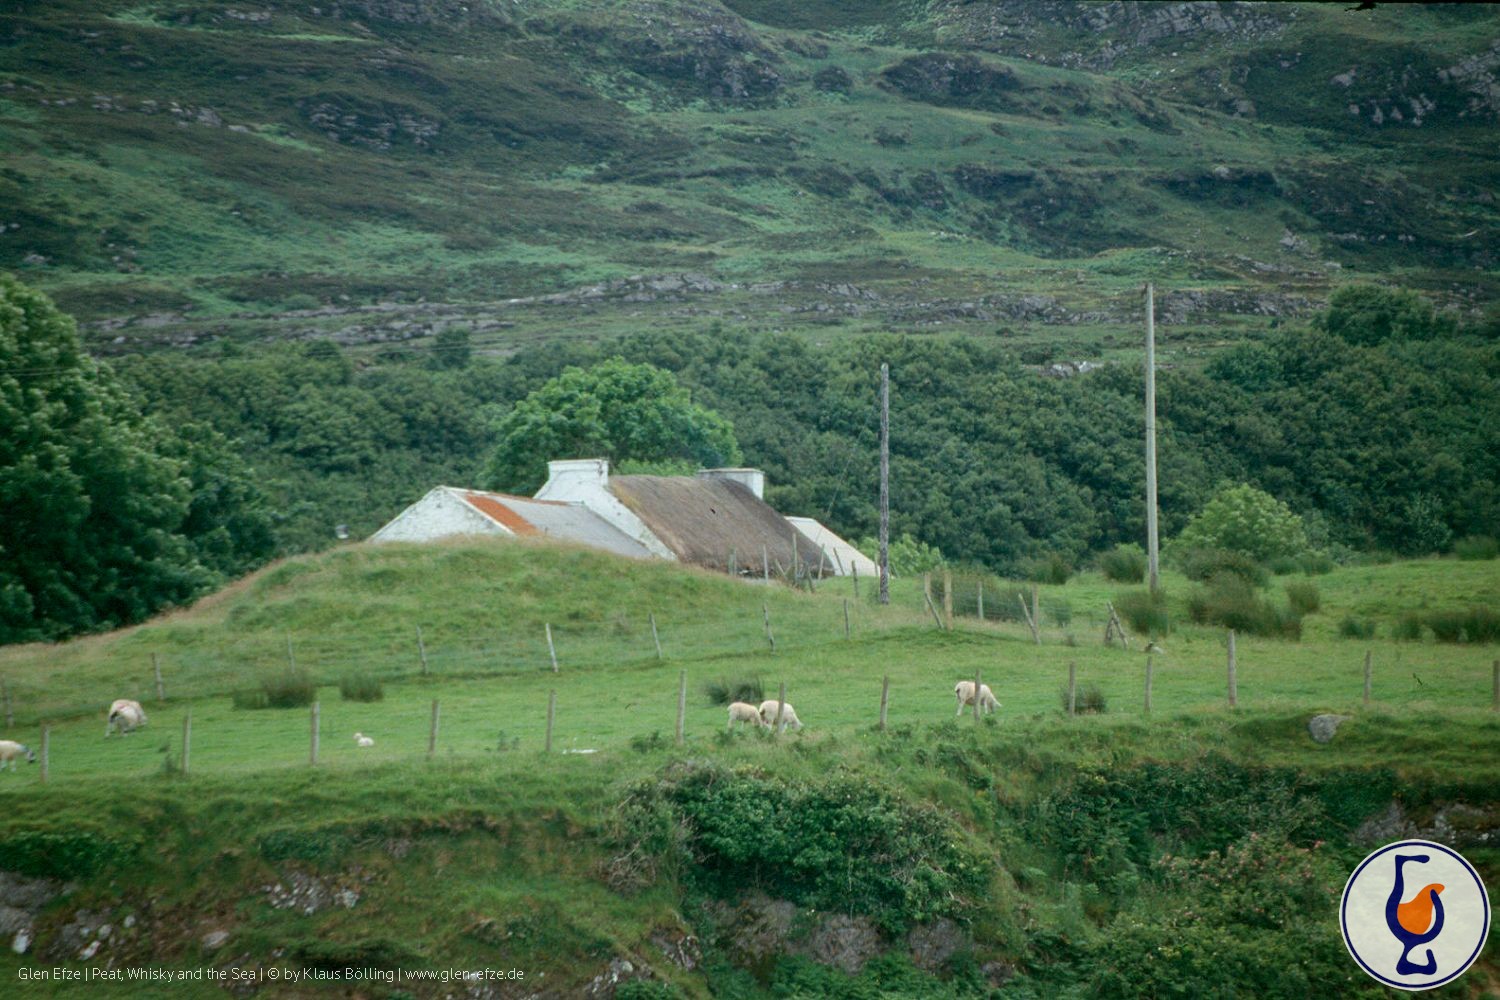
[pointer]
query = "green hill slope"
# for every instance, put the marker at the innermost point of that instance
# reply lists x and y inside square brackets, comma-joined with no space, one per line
[220,166]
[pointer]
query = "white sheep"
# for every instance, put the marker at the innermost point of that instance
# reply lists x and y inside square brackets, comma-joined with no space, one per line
[740,711]
[11,751]
[125,715]
[964,691]
[789,718]
[361,740]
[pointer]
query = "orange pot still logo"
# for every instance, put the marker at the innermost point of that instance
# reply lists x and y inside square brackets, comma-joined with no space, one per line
[1415,914]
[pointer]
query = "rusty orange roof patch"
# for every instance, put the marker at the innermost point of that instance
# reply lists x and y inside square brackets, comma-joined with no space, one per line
[492,506]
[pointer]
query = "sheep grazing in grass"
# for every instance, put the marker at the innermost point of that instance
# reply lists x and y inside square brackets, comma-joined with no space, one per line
[789,718]
[361,740]
[740,711]
[964,691]
[11,751]
[125,715]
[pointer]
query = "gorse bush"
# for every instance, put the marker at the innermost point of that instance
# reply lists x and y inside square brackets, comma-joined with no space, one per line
[1124,564]
[1303,597]
[1053,569]
[1144,612]
[1088,699]
[361,687]
[834,844]
[1408,628]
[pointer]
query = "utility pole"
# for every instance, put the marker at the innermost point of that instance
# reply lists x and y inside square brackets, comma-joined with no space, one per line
[885,484]
[1153,552]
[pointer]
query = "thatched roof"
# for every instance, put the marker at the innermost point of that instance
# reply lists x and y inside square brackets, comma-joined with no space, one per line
[706,522]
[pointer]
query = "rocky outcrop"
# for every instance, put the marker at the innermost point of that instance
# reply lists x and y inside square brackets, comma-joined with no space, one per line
[951,79]
[356,122]
[1476,76]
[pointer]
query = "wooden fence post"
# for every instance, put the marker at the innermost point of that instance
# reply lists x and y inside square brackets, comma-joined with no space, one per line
[1234,687]
[933,608]
[422,651]
[681,704]
[1367,678]
[1036,616]
[948,599]
[927,588]
[187,740]
[46,751]
[551,649]
[734,563]
[161,693]
[291,660]
[780,726]
[1149,667]
[432,730]
[1072,687]
[656,638]
[312,756]
[551,713]
[765,613]
[980,596]
[855,567]
[765,563]
[1031,623]
[846,618]
[885,698]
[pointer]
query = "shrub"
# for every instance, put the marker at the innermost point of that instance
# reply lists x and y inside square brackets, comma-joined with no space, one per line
[1229,601]
[1059,611]
[1124,564]
[59,855]
[1246,520]
[1476,547]
[646,989]
[1476,625]
[1357,628]
[909,557]
[361,687]
[1303,597]
[1315,563]
[1143,611]
[1284,565]
[646,744]
[1088,700]
[291,688]
[1408,628]
[729,689]
[1202,564]
[1447,626]
[1053,569]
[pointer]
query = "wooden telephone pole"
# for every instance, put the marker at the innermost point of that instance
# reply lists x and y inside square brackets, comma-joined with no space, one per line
[885,484]
[1153,552]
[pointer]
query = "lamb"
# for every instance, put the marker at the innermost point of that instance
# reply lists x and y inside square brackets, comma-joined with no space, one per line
[361,740]
[964,691]
[125,715]
[11,751]
[739,711]
[789,718]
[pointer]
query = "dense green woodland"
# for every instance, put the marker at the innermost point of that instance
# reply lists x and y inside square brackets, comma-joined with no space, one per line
[1379,424]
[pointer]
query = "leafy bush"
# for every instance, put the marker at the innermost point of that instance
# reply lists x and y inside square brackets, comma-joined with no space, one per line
[1356,628]
[1054,569]
[1408,628]
[1229,601]
[1088,700]
[646,989]
[1303,597]
[1144,612]
[1246,520]
[1475,625]
[1202,564]
[1476,547]
[59,855]
[1124,564]
[909,557]
[731,689]
[361,687]
[646,744]
[291,688]
[832,844]
[1315,563]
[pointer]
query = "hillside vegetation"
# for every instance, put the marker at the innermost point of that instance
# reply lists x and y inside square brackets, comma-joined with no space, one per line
[1033,854]
[913,165]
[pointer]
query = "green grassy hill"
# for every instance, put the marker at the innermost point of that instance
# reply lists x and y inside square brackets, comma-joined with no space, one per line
[280,169]
[490,854]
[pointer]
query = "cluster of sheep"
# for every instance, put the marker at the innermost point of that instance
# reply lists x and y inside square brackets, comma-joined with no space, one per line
[765,716]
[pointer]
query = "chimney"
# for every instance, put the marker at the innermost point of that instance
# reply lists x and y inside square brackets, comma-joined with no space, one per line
[573,478]
[753,480]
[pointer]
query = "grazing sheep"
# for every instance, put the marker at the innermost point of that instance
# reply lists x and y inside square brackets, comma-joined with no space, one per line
[964,691]
[361,740]
[789,718]
[11,751]
[739,711]
[125,715]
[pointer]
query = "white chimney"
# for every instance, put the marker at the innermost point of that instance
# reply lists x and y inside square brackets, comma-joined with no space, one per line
[574,478]
[753,480]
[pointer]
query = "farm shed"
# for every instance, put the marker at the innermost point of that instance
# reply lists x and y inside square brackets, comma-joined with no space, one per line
[706,520]
[843,557]
[447,511]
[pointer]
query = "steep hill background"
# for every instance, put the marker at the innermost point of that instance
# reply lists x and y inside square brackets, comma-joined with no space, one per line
[377,169]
